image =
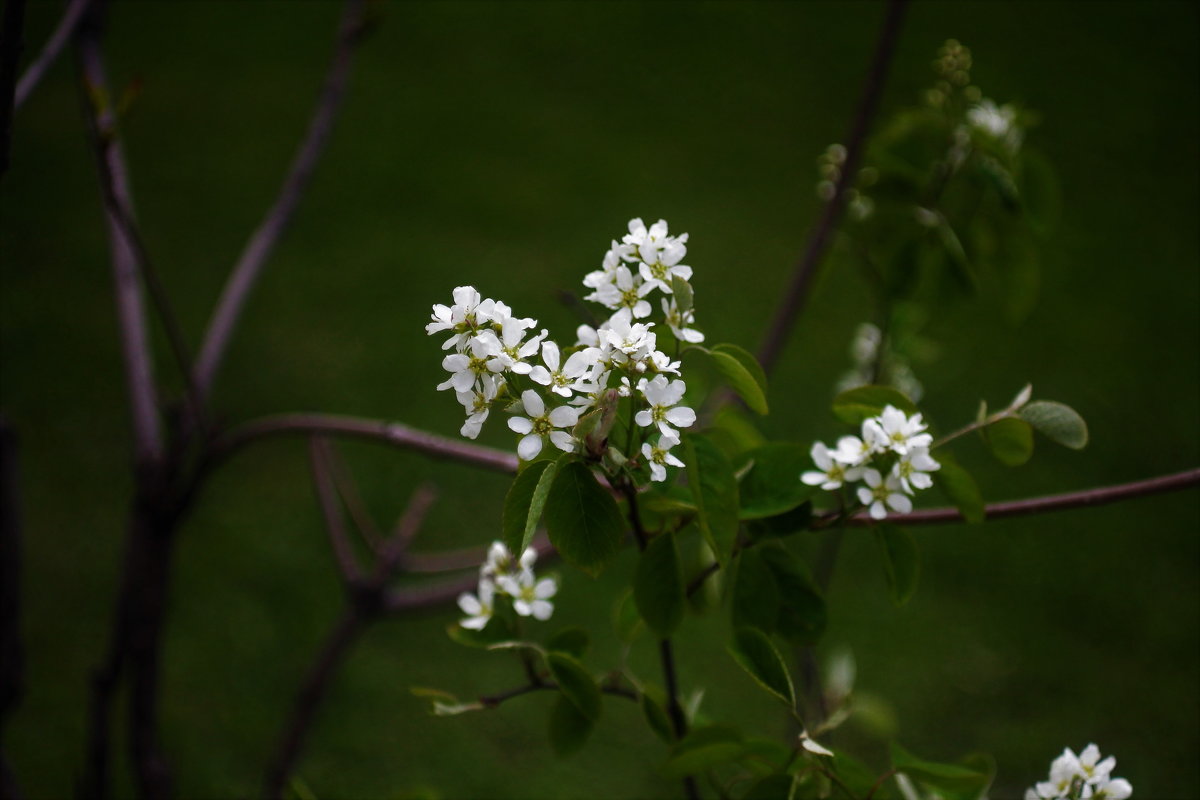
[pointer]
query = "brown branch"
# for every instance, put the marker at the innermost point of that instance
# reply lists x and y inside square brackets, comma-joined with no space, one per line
[392,433]
[818,242]
[347,487]
[320,456]
[110,158]
[72,16]
[262,242]
[493,700]
[466,558]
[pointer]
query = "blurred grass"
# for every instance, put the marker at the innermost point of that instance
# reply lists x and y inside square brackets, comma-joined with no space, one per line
[503,145]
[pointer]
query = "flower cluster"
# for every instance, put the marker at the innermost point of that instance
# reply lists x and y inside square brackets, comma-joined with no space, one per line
[997,122]
[503,575]
[891,458]
[494,363]
[1081,777]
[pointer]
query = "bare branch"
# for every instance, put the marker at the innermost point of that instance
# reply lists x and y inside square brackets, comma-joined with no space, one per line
[258,249]
[347,487]
[410,522]
[37,68]
[818,242]
[392,433]
[320,456]
[466,558]
[114,178]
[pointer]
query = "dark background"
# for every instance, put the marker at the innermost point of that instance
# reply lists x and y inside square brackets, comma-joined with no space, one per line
[503,145]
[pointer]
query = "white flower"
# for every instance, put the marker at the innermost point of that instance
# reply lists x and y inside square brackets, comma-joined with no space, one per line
[913,468]
[540,425]
[658,361]
[882,493]
[1116,789]
[634,340]
[897,431]
[663,398]
[811,746]
[571,376]
[997,121]
[478,402]
[478,609]
[530,598]
[658,457]
[833,473]
[678,322]
[659,252]
[1092,768]
[853,451]
[1082,777]
[624,291]
[468,366]
[612,260]
[464,318]
[508,350]
[500,561]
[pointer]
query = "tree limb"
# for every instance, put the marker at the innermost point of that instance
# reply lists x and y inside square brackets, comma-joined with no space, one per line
[72,16]
[262,242]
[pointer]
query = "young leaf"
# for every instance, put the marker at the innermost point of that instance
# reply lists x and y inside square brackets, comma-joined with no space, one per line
[773,486]
[960,488]
[575,683]
[572,641]
[901,561]
[704,747]
[744,374]
[715,491]
[657,719]
[801,608]
[683,294]
[1010,440]
[582,518]
[950,780]
[1057,422]
[855,405]
[658,586]
[569,729]
[517,503]
[756,654]
[755,601]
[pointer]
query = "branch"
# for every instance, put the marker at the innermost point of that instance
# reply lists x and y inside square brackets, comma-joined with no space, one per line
[50,51]
[12,26]
[114,179]
[320,456]
[393,433]
[489,701]
[466,558]
[818,241]
[261,244]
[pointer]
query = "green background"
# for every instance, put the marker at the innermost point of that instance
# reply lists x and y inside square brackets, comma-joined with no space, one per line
[504,145]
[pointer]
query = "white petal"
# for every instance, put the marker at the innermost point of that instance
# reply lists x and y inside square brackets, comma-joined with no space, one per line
[529,447]
[520,424]
[564,417]
[682,416]
[541,610]
[469,604]
[545,588]
[562,440]
[900,503]
[533,404]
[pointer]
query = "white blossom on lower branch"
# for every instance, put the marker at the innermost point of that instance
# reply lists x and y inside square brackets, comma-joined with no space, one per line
[1081,777]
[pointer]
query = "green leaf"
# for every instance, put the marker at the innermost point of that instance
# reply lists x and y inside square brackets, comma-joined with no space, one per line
[703,748]
[657,719]
[583,519]
[772,787]
[658,586]
[525,501]
[772,486]
[953,781]
[572,641]
[575,682]
[683,294]
[756,654]
[755,601]
[801,608]
[960,488]
[1057,422]
[855,405]
[715,490]
[743,374]
[1010,440]
[626,620]
[569,729]
[901,561]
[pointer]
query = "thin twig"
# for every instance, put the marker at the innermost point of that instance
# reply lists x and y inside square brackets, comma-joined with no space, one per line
[37,68]
[347,487]
[494,700]
[262,242]
[818,242]
[135,343]
[393,433]
[410,522]
[466,558]
[320,456]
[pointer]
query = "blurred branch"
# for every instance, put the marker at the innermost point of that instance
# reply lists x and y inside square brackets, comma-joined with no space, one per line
[335,525]
[12,655]
[347,488]
[365,603]
[818,241]
[37,68]
[393,433]
[114,180]
[262,242]
[1056,502]
[12,28]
